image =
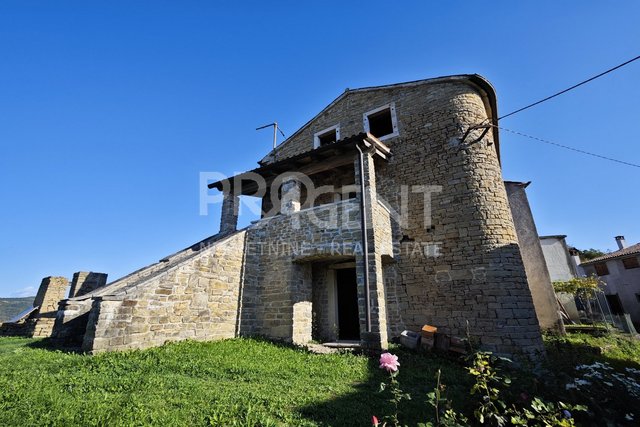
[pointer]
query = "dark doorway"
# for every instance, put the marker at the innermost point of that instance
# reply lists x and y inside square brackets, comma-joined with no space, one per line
[347,292]
[615,304]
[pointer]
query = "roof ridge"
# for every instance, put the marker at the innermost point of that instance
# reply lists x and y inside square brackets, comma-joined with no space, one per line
[629,250]
[475,78]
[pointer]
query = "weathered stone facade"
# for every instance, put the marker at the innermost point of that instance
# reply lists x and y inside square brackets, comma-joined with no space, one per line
[441,245]
[478,279]
[84,282]
[40,319]
[197,300]
[51,291]
[544,297]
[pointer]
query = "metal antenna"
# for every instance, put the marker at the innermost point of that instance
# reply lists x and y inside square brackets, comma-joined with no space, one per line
[276,129]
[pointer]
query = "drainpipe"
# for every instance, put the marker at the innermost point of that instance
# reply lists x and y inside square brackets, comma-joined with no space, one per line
[365,245]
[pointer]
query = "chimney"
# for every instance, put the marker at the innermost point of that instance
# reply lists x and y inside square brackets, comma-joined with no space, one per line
[574,257]
[621,242]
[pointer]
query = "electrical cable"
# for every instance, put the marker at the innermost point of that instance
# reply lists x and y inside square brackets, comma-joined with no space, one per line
[567,147]
[570,88]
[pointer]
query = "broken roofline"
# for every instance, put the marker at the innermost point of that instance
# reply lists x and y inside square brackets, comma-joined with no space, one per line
[310,162]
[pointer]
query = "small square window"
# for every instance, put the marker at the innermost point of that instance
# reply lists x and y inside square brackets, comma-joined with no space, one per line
[601,269]
[630,263]
[382,122]
[326,136]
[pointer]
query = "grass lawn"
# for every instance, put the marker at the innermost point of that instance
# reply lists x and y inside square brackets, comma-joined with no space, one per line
[249,382]
[232,382]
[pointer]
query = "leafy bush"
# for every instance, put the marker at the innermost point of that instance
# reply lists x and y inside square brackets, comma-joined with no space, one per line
[582,287]
[490,408]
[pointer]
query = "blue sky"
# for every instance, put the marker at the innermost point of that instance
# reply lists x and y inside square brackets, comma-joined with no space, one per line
[110,110]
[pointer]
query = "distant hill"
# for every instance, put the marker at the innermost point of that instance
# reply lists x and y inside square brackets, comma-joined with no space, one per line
[9,307]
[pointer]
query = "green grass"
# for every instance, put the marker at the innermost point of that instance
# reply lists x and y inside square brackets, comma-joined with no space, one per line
[233,382]
[579,348]
[252,382]
[608,399]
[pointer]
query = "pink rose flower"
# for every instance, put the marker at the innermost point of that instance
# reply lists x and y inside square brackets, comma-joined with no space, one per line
[374,421]
[389,362]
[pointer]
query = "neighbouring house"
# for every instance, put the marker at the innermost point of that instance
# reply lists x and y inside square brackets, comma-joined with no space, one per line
[620,270]
[386,211]
[563,263]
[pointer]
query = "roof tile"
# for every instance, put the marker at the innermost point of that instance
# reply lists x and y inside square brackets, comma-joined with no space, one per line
[629,250]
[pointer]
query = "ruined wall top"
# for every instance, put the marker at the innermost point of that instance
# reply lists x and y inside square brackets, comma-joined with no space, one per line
[84,282]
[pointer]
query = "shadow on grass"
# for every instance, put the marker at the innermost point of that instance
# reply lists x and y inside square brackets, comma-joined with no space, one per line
[417,377]
[51,345]
[576,349]
[607,404]
[606,364]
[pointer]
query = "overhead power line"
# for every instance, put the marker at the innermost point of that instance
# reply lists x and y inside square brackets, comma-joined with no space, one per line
[635,165]
[570,88]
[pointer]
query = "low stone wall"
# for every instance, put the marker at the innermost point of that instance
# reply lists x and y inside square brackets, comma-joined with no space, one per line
[196,299]
[73,313]
[21,329]
[71,322]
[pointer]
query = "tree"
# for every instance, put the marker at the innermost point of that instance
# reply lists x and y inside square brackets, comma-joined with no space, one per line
[582,287]
[588,254]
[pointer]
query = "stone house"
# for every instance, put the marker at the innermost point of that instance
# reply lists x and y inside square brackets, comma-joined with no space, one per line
[620,270]
[385,212]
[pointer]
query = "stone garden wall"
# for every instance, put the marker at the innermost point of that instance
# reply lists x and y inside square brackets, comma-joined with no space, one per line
[196,299]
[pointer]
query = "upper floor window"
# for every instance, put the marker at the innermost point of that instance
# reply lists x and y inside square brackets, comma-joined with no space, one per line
[601,269]
[382,122]
[326,136]
[630,263]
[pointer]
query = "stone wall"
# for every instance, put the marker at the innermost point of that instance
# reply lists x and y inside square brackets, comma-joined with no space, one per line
[51,291]
[73,313]
[85,282]
[278,280]
[544,297]
[324,315]
[195,299]
[468,268]
[40,320]
[20,329]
